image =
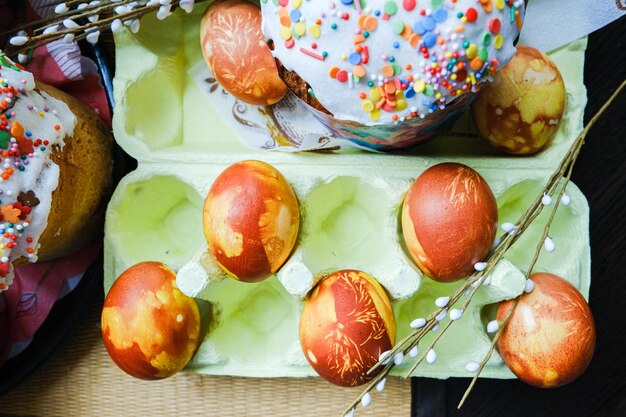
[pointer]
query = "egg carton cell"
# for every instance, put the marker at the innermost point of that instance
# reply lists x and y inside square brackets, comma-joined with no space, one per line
[349,222]
[254,328]
[157,125]
[505,282]
[149,219]
[568,232]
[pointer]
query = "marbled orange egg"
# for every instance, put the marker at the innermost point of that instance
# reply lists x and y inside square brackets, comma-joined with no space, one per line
[449,221]
[550,338]
[235,49]
[149,327]
[346,324]
[521,110]
[251,220]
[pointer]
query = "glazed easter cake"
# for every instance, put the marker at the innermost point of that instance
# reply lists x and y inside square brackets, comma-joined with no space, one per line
[374,71]
[55,176]
[349,203]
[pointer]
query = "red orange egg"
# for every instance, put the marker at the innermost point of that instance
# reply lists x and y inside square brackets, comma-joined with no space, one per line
[550,338]
[251,220]
[235,49]
[449,221]
[520,111]
[149,327]
[346,324]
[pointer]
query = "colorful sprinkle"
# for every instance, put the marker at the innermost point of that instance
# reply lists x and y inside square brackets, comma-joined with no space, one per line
[498,42]
[370,23]
[299,29]
[359,71]
[471,15]
[450,43]
[440,15]
[495,25]
[354,58]
[285,33]
[342,76]
[409,5]
[390,8]
[312,54]
[388,71]
[315,31]
[398,27]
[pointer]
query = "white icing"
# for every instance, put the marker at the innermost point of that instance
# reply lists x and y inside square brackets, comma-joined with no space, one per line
[342,99]
[44,118]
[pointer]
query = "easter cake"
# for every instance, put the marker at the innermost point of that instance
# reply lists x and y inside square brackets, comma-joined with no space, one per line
[56,171]
[363,66]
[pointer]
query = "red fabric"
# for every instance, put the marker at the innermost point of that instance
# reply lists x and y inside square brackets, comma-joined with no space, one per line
[88,88]
[35,289]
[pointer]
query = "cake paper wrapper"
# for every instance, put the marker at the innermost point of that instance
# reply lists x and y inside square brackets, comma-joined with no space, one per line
[285,126]
[396,136]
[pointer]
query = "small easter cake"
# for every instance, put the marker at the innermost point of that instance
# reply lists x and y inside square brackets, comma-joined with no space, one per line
[390,73]
[55,174]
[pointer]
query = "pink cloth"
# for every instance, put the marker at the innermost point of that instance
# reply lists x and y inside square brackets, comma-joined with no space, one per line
[28,301]
[61,65]
[36,287]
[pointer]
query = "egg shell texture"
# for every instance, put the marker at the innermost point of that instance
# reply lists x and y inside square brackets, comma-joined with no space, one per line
[449,221]
[550,338]
[149,327]
[346,324]
[521,110]
[251,220]
[235,50]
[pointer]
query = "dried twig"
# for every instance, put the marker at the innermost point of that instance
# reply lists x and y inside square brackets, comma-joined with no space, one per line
[74,20]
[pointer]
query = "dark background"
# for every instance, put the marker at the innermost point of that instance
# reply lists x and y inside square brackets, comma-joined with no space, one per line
[600,173]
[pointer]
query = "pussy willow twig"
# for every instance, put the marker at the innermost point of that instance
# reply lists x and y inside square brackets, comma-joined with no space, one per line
[77,19]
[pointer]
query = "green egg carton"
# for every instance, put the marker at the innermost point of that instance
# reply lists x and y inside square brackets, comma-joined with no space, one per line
[349,203]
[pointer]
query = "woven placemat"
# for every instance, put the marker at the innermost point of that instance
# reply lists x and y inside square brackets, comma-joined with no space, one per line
[80,380]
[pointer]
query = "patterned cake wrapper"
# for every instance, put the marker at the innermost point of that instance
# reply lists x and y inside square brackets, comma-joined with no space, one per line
[397,136]
[291,125]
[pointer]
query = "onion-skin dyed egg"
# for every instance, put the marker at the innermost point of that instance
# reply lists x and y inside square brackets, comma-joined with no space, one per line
[346,324]
[251,220]
[449,221]
[521,110]
[550,338]
[236,52]
[149,327]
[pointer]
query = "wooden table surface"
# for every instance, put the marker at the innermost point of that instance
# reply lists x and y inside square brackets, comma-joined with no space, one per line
[79,379]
